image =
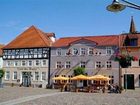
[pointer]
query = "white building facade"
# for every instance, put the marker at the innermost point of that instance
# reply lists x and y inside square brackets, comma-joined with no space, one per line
[26,59]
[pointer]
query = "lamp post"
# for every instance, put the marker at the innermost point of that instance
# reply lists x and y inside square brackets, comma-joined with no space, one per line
[117,6]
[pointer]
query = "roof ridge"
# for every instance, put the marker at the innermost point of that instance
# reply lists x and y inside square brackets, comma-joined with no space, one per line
[89,36]
[17,37]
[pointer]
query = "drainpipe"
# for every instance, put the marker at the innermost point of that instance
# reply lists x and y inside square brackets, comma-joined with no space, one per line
[49,67]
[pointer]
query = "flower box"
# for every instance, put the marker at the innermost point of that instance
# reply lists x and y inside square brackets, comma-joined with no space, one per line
[125,60]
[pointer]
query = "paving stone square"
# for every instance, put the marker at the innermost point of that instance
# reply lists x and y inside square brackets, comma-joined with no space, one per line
[38,96]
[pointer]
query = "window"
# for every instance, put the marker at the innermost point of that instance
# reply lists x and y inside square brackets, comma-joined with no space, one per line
[133,42]
[7,75]
[67,64]
[16,63]
[35,53]
[21,53]
[112,79]
[108,64]
[108,50]
[36,76]
[8,63]
[44,63]
[59,52]
[40,52]
[26,53]
[134,63]
[90,51]
[37,62]
[30,63]
[23,63]
[15,75]
[83,51]
[44,76]
[58,65]
[98,64]
[75,51]
[83,64]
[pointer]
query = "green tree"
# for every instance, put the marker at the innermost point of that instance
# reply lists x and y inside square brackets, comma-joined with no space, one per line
[1,75]
[79,70]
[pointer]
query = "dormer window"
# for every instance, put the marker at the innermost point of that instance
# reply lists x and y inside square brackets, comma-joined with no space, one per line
[133,42]
[75,51]
[83,51]
[108,50]
[59,52]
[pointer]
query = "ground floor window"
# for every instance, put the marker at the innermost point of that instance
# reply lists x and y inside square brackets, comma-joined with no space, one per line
[44,76]
[7,75]
[36,76]
[112,79]
[15,75]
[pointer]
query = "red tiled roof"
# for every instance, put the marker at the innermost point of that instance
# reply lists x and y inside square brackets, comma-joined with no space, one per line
[30,38]
[1,46]
[100,40]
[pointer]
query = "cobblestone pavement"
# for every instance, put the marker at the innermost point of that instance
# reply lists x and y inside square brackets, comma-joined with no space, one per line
[37,96]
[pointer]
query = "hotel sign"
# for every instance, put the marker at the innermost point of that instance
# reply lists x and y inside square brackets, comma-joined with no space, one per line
[28,68]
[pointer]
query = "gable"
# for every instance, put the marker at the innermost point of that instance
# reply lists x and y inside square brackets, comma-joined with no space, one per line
[31,38]
[83,41]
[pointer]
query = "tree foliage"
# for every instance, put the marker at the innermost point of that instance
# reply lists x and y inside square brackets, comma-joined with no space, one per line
[1,73]
[79,70]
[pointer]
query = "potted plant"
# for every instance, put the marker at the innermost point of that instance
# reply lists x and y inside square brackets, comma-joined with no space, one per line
[125,60]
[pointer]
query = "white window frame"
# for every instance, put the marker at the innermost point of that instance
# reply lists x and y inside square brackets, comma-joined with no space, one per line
[36,76]
[37,62]
[30,62]
[15,75]
[59,52]
[8,63]
[90,51]
[7,75]
[43,76]
[108,64]
[16,63]
[82,51]
[23,62]
[83,64]
[67,64]
[44,62]
[98,64]
[109,51]
[58,64]
[74,50]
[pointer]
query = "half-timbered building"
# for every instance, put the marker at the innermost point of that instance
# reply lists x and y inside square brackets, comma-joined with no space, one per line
[26,58]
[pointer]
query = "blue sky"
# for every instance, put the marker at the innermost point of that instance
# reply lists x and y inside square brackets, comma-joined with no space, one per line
[64,18]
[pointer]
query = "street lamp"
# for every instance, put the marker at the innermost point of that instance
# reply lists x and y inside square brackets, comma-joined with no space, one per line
[117,6]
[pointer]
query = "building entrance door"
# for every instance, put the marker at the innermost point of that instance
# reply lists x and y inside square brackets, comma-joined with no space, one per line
[129,81]
[26,79]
